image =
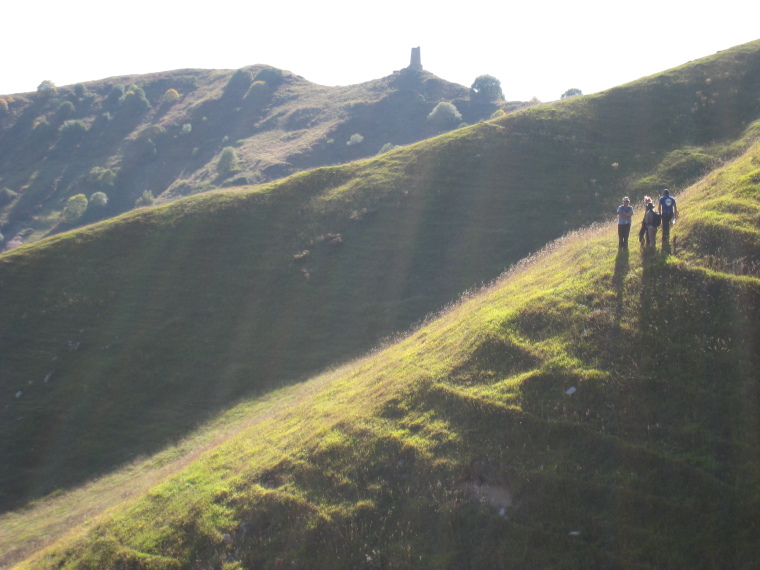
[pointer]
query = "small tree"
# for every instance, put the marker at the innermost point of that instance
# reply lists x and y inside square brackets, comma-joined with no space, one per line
[445,116]
[171,96]
[65,111]
[571,93]
[46,89]
[98,199]
[72,132]
[228,162]
[146,199]
[75,208]
[486,88]
[387,147]
[134,100]
[355,139]
[101,177]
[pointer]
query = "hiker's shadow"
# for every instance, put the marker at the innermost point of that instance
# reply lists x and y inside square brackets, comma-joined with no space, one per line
[622,267]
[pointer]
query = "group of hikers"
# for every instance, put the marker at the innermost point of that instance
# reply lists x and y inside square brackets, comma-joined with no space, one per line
[664,215]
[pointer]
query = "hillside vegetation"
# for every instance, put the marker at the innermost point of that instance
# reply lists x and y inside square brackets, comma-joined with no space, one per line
[162,136]
[120,337]
[593,408]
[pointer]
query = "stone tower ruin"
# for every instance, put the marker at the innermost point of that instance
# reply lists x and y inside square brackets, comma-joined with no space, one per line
[416,62]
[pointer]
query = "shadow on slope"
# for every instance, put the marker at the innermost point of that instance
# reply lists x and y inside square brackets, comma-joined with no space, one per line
[125,335]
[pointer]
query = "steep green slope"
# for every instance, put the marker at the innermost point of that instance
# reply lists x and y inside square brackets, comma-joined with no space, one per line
[121,337]
[593,408]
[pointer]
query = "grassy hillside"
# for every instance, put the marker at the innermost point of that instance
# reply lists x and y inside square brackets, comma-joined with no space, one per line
[594,407]
[121,337]
[166,134]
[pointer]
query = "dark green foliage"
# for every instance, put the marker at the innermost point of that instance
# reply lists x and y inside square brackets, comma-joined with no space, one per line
[72,132]
[75,208]
[444,116]
[146,199]
[98,199]
[79,90]
[573,92]
[228,162]
[134,101]
[65,111]
[46,89]
[271,76]
[114,99]
[486,88]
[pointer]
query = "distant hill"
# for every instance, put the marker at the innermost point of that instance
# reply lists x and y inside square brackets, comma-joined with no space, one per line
[165,133]
[119,339]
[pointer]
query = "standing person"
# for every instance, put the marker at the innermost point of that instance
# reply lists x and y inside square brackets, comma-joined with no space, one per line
[669,211]
[652,220]
[643,231]
[625,212]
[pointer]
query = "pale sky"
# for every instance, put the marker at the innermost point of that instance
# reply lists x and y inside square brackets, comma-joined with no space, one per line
[534,48]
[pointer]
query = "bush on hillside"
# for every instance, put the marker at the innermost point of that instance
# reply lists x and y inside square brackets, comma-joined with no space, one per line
[134,101]
[573,92]
[7,196]
[257,93]
[270,75]
[146,199]
[98,199]
[46,89]
[387,147]
[445,116]
[3,107]
[72,132]
[114,98]
[171,96]
[101,177]
[79,90]
[228,162]
[355,139]
[65,111]
[75,208]
[486,88]
[186,129]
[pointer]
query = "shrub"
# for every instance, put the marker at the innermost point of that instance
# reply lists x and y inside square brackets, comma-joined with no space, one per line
[258,92]
[355,139]
[498,113]
[486,88]
[186,129]
[114,98]
[571,93]
[65,111]
[99,199]
[445,115]
[146,199]
[171,96]
[75,208]
[387,147]
[228,162]
[7,196]
[46,89]
[79,90]
[3,107]
[134,100]
[270,75]
[101,177]
[72,132]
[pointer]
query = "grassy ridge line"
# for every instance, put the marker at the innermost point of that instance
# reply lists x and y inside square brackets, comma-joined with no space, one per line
[207,300]
[212,492]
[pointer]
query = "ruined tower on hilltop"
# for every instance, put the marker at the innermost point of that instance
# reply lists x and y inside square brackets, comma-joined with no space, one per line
[416,62]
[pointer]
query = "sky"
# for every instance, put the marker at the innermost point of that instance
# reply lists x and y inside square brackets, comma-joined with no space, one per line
[535,49]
